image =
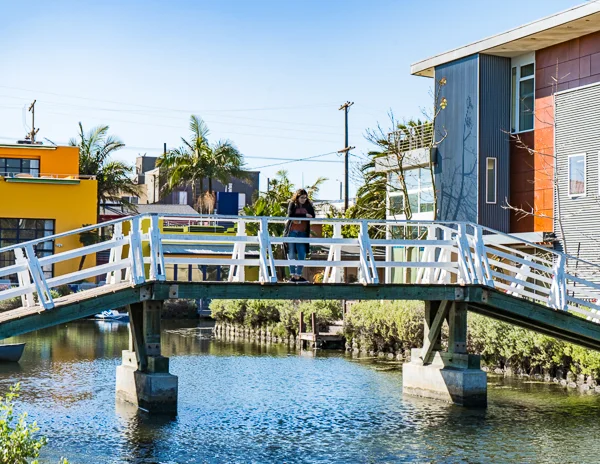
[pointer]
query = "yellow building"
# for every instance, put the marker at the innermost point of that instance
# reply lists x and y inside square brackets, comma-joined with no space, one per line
[41,194]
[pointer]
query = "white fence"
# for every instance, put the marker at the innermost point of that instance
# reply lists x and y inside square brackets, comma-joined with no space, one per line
[415,252]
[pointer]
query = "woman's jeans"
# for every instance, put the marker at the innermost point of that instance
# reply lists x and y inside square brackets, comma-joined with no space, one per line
[297,251]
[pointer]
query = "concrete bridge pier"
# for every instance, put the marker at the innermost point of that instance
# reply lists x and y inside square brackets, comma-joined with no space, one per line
[143,378]
[454,375]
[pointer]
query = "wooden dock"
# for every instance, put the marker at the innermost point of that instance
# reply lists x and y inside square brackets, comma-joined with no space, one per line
[315,339]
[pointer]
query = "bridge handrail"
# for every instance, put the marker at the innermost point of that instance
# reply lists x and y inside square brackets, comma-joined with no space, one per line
[446,252]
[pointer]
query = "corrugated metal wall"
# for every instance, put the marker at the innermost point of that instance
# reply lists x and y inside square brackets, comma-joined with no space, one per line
[494,128]
[577,120]
[456,170]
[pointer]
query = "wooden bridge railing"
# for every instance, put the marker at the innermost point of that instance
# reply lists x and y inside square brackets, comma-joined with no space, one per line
[392,251]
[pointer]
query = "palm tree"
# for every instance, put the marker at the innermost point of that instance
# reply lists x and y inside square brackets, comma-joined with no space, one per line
[95,150]
[197,159]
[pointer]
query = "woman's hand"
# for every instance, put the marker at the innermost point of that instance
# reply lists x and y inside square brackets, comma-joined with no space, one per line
[308,215]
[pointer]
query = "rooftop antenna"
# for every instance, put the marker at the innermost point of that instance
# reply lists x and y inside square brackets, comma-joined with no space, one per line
[34,131]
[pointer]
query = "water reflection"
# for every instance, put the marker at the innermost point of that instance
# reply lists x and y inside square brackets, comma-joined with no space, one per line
[241,402]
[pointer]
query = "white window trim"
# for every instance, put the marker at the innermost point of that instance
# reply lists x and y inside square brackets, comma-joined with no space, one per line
[487,187]
[517,62]
[577,195]
[418,191]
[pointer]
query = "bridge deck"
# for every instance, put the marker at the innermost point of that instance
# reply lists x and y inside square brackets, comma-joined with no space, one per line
[480,299]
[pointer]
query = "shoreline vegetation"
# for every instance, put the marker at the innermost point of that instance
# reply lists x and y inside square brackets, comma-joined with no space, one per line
[389,330]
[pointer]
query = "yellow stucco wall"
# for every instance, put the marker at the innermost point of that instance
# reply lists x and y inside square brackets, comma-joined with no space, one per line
[70,205]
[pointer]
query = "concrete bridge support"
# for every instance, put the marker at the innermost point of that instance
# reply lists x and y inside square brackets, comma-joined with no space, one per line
[454,375]
[143,378]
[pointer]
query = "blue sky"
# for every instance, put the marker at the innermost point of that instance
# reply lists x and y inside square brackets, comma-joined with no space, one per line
[269,75]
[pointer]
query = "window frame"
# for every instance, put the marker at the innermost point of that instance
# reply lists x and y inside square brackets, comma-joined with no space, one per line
[418,191]
[487,186]
[35,172]
[515,95]
[42,249]
[577,195]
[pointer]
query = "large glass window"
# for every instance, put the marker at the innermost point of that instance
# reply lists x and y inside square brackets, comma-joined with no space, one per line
[13,231]
[11,166]
[523,93]
[419,186]
[577,175]
[490,180]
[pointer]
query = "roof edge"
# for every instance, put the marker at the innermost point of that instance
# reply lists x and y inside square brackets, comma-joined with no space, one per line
[557,19]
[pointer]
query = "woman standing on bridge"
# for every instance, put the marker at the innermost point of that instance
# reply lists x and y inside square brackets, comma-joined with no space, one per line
[298,207]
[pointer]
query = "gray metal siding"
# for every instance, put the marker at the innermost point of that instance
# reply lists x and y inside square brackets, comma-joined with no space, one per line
[494,127]
[577,120]
[456,170]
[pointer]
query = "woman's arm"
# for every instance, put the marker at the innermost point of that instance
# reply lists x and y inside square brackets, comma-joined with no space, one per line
[291,209]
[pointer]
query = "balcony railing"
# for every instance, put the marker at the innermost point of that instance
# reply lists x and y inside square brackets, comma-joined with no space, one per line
[411,138]
[45,175]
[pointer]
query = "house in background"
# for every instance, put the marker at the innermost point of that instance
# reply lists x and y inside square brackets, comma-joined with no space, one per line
[501,94]
[42,194]
[148,177]
[520,153]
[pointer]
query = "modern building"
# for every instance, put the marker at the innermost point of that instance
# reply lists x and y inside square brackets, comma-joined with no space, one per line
[42,194]
[519,152]
[148,176]
[513,103]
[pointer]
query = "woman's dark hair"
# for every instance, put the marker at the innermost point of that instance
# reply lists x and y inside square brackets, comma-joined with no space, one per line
[298,194]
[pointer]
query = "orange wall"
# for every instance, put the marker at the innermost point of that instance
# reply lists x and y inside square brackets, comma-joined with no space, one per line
[53,160]
[573,63]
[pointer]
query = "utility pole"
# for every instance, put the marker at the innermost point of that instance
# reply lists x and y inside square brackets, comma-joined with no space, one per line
[346,152]
[34,131]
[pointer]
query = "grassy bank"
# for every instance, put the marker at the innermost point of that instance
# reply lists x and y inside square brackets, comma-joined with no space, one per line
[396,327]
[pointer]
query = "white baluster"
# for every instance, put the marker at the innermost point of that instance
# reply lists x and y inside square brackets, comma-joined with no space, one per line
[37,274]
[24,278]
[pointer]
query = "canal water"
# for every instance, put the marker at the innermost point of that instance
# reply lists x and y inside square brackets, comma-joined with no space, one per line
[243,403]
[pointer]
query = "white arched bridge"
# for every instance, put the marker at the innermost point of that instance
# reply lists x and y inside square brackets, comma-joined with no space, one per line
[140,261]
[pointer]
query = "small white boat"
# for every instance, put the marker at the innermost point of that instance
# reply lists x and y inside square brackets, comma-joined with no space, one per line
[11,352]
[113,315]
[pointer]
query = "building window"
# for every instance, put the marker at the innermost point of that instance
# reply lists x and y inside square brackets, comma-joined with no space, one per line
[182,198]
[491,180]
[523,93]
[11,166]
[419,187]
[13,231]
[577,175]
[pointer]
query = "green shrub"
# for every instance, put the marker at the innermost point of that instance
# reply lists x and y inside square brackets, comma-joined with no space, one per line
[260,313]
[12,303]
[232,311]
[504,345]
[63,290]
[17,440]
[384,326]
[326,312]
[282,316]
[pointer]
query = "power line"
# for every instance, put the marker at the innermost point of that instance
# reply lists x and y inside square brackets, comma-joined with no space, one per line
[319,105]
[286,160]
[178,118]
[179,127]
[297,160]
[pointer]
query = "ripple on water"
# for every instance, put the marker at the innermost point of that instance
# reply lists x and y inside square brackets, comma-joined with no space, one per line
[240,403]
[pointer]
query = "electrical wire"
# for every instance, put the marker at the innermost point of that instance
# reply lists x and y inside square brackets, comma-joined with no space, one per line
[298,160]
[158,108]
